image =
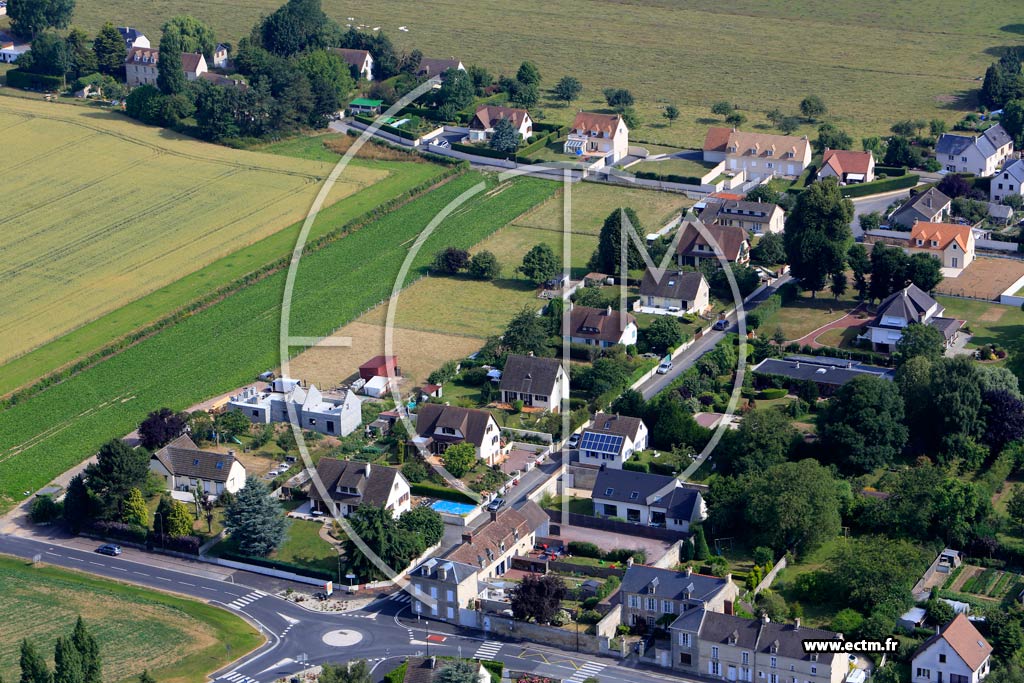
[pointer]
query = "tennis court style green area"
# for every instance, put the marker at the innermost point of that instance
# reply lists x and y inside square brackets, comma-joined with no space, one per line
[102,211]
[753,53]
[225,345]
[177,639]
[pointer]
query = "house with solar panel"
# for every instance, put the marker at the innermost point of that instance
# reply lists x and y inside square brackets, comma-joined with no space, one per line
[611,440]
[185,467]
[648,499]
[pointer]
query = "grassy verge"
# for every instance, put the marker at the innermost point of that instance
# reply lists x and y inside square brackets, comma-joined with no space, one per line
[136,627]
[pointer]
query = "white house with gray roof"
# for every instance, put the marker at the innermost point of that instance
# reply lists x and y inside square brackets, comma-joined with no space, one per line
[651,595]
[333,414]
[537,382]
[930,206]
[906,307]
[349,484]
[184,466]
[445,590]
[982,155]
[648,499]
[611,440]
[1009,181]
[673,291]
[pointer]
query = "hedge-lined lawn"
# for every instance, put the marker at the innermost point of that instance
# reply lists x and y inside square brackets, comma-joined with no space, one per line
[179,640]
[676,166]
[804,315]
[991,323]
[302,546]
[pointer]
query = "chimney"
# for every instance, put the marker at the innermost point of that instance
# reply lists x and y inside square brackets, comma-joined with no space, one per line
[231,453]
[494,515]
[796,624]
[609,310]
[433,662]
[765,619]
[728,578]
[689,570]
[467,537]
[366,470]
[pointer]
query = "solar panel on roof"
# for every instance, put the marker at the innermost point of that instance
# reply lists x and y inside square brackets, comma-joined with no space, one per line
[602,443]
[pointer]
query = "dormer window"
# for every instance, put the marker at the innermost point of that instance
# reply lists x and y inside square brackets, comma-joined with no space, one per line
[920,243]
[935,243]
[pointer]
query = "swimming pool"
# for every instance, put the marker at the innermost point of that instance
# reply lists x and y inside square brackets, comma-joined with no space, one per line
[450,508]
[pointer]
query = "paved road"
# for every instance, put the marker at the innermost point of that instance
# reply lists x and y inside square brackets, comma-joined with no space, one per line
[878,202]
[656,384]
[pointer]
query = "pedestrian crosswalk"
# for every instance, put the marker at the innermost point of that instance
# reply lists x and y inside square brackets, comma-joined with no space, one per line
[236,677]
[241,602]
[400,596]
[586,671]
[488,650]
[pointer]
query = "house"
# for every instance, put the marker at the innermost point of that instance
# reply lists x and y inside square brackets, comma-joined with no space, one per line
[650,594]
[598,136]
[930,206]
[848,167]
[360,61]
[827,373]
[509,533]
[908,306]
[223,81]
[537,382]
[10,50]
[380,366]
[601,327]
[1009,181]
[451,587]
[481,128]
[439,426]
[140,66]
[133,37]
[185,467]
[220,56]
[957,653]
[695,243]
[757,218]
[349,484]
[675,291]
[1000,214]
[431,68]
[647,499]
[982,155]
[759,155]
[715,645]
[365,106]
[952,244]
[611,440]
[333,414]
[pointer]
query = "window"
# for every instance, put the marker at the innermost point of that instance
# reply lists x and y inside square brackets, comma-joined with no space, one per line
[450,595]
[746,658]
[774,662]
[666,607]
[715,668]
[714,652]
[924,673]
[814,670]
[634,601]
[942,659]
[684,639]
[685,659]
[774,678]
[652,604]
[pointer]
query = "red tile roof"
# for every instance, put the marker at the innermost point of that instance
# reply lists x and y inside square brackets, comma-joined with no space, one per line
[943,233]
[603,123]
[716,139]
[843,161]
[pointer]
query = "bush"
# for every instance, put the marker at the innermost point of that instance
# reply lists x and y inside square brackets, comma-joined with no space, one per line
[591,602]
[118,531]
[879,186]
[181,544]
[17,78]
[770,394]
[634,466]
[46,510]
[589,616]
[585,549]
[891,171]
[623,555]
[669,178]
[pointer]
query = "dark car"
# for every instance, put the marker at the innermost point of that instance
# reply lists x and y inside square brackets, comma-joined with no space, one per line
[495,504]
[111,549]
[722,324]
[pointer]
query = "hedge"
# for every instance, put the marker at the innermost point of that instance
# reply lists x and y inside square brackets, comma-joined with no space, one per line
[771,394]
[181,544]
[118,531]
[879,186]
[636,466]
[479,151]
[550,128]
[398,674]
[299,569]
[585,549]
[891,171]
[17,78]
[668,178]
[386,128]
[431,490]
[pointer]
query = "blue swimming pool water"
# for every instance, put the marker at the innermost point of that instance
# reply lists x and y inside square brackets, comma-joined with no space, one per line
[451,508]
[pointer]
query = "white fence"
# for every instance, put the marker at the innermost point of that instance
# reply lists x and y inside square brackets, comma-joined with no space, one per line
[1009,297]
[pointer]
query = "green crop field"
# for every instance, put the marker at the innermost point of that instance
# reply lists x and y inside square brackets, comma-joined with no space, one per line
[103,210]
[872,61]
[225,345]
[177,639]
[401,177]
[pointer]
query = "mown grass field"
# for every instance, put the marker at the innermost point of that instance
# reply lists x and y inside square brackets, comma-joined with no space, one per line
[227,344]
[102,210]
[991,323]
[399,178]
[177,639]
[873,61]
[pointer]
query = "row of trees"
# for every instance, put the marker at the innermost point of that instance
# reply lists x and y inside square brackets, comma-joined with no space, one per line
[483,265]
[396,541]
[77,659]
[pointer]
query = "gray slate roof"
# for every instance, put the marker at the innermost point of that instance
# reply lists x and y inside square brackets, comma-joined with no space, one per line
[1015,170]
[621,485]
[373,483]
[834,372]
[909,303]
[950,143]
[783,640]
[997,135]
[455,572]
[530,375]
[722,628]
[924,204]
[183,458]
[674,284]
[670,584]
[758,212]
[470,421]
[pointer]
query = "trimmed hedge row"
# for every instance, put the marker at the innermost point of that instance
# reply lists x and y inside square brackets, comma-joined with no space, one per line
[431,490]
[550,128]
[891,171]
[879,186]
[277,564]
[668,178]
[771,394]
[16,78]
[480,151]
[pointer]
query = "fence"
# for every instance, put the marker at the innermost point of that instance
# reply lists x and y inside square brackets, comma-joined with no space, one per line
[1009,297]
[566,639]
[766,582]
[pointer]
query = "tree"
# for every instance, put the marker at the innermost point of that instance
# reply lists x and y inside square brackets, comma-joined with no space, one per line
[525,334]
[350,672]
[49,55]
[618,98]
[505,138]
[161,427]
[89,651]
[450,260]
[110,51]
[255,520]
[972,210]
[67,662]
[459,458]
[456,91]
[793,506]
[540,264]
[770,249]
[722,108]
[735,119]
[898,152]
[33,665]
[145,677]
[484,266]
[528,74]
[873,144]
[327,72]
[630,402]
[830,137]
[862,425]
[630,117]
[955,399]
[607,257]
[772,605]
[904,129]
[939,611]
[924,271]
[812,107]
[480,76]
[764,439]
[847,621]
[170,78]
[817,235]
[77,504]
[937,127]
[232,423]
[567,89]
[117,470]
[179,520]
[525,95]
[919,340]
[996,378]
[888,270]
[671,113]
[789,124]
[1013,120]
[194,35]
[301,25]
[838,286]
[1004,418]
[663,334]
[458,671]
[394,545]
[870,221]
[81,58]
[135,510]
[873,571]
[29,17]
[538,598]
[423,522]
[1015,506]
[700,544]
[954,185]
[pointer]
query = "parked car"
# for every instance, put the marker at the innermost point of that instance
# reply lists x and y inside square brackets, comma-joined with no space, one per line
[665,367]
[722,324]
[111,549]
[496,504]
[441,142]
[573,441]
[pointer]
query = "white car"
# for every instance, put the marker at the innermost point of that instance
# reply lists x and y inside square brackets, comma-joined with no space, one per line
[665,367]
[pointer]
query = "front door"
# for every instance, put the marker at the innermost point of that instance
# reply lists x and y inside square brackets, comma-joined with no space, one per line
[731,673]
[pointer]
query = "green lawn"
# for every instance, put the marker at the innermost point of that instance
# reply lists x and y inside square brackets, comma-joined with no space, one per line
[991,323]
[179,640]
[680,167]
[304,546]
[577,506]
[818,615]
[807,314]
